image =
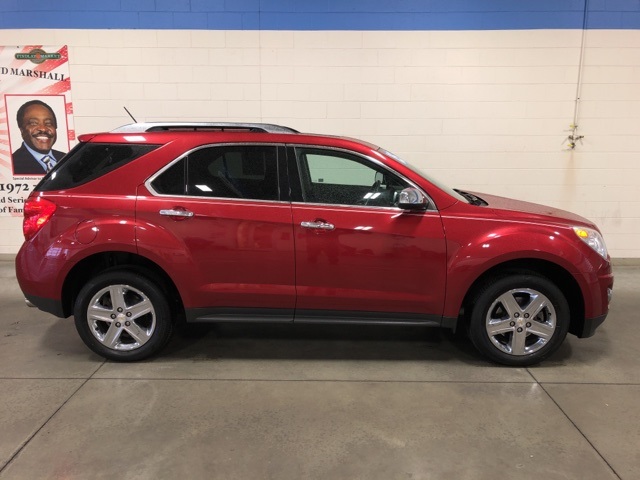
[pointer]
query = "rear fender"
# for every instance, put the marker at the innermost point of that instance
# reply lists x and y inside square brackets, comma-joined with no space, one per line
[44,262]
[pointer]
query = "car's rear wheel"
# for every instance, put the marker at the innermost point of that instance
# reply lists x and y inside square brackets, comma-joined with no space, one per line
[123,316]
[519,319]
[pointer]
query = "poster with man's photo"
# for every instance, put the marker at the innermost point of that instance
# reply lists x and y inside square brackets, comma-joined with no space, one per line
[36,119]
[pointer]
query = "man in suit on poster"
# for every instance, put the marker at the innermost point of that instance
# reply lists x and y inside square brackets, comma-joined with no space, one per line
[38,126]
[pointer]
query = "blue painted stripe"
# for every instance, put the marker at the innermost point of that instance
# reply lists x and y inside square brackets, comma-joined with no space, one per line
[320,14]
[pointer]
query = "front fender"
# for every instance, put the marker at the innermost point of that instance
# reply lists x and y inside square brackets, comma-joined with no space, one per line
[498,242]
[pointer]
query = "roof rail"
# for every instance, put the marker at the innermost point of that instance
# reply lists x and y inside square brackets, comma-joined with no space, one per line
[202,126]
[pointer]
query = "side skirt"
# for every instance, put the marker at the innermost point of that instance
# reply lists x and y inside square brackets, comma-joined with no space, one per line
[250,315]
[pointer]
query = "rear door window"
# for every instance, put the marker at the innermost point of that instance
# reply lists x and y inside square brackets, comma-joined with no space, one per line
[231,171]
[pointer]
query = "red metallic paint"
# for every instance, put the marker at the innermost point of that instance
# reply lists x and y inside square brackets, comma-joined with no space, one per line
[229,254]
[475,245]
[44,262]
[375,260]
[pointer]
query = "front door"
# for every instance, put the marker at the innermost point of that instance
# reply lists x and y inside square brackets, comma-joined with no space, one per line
[356,252]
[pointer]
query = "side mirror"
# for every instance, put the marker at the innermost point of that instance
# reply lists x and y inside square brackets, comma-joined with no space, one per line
[412,199]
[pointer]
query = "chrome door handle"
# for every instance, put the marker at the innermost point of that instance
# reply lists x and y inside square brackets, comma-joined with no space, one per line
[176,213]
[319,225]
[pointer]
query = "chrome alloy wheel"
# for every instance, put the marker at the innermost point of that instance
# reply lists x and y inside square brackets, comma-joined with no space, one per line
[121,317]
[521,321]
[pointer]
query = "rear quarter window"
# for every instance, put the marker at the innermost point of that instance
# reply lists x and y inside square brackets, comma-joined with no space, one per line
[89,161]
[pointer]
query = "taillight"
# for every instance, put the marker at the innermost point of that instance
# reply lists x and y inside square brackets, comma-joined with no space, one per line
[37,212]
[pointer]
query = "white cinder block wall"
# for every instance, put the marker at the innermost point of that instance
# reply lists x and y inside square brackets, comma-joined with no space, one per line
[482,110]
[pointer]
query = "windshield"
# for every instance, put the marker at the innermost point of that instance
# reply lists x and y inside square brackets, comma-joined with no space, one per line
[427,177]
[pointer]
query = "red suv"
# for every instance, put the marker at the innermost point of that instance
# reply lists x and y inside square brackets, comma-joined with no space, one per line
[151,223]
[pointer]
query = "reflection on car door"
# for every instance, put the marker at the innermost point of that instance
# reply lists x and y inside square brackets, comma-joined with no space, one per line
[355,251]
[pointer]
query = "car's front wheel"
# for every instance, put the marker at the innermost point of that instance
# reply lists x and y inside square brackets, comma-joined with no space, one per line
[519,319]
[123,316]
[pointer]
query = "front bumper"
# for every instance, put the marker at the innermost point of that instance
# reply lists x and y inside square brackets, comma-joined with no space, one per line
[589,326]
[599,298]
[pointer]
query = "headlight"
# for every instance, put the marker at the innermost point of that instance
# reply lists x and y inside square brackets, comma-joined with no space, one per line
[593,239]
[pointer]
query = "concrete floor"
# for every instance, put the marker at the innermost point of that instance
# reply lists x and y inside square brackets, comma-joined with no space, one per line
[278,402]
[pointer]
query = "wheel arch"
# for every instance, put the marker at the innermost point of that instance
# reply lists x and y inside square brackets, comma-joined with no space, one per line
[118,260]
[553,272]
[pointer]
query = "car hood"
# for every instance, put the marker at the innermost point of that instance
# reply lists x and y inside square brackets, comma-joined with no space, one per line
[517,209]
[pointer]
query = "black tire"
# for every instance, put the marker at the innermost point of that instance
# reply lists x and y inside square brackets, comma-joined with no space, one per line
[130,318]
[503,326]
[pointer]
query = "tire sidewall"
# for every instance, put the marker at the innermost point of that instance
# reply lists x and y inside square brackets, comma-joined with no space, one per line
[483,301]
[163,326]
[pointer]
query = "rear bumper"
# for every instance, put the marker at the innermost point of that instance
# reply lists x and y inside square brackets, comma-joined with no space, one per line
[48,305]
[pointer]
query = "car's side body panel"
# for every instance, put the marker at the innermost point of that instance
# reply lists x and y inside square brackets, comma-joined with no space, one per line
[477,244]
[374,259]
[83,225]
[229,254]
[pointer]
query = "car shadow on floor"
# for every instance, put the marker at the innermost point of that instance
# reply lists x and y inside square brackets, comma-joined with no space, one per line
[319,342]
[306,342]
[333,342]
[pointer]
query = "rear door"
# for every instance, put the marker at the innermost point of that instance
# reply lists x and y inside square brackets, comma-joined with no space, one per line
[357,254]
[219,218]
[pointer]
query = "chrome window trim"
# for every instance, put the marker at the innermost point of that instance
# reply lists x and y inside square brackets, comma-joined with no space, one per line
[431,207]
[357,207]
[221,199]
[431,204]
